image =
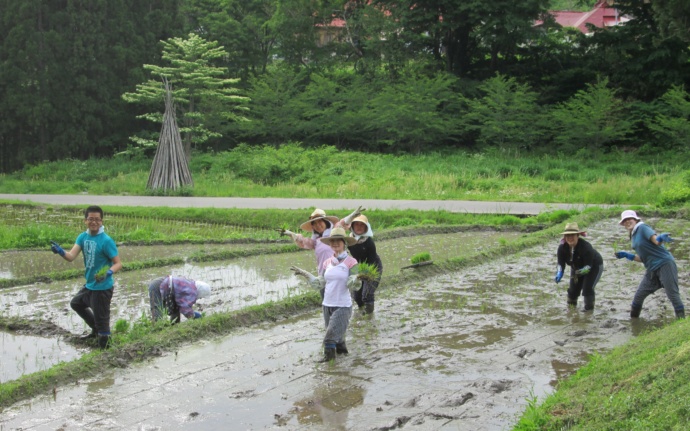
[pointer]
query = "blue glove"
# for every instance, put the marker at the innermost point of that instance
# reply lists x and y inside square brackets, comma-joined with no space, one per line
[197,315]
[55,247]
[625,254]
[584,270]
[109,273]
[559,276]
[664,237]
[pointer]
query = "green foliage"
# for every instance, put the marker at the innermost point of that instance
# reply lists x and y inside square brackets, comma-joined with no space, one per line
[672,124]
[420,257]
[506,116]
[591,120]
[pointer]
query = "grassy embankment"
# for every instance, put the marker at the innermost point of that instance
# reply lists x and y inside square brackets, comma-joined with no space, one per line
[292,171]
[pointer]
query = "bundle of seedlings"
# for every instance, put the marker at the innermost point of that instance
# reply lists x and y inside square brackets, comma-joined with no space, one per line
[368,271]
[420,259]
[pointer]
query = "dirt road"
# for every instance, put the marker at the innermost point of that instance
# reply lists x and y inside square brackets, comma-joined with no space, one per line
[473,207]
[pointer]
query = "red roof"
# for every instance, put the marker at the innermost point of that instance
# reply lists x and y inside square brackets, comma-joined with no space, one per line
[601,16]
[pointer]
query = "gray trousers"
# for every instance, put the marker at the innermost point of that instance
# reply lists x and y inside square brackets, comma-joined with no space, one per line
[336,319]
[665,277]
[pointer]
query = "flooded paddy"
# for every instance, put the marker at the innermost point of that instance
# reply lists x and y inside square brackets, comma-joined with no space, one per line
[460,351]
[25,354]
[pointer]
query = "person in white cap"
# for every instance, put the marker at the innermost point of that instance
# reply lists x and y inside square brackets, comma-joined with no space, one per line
[662,271]
[586,266]
[176,296]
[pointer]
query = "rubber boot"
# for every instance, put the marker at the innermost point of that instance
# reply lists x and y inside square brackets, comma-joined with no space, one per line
[91,336]
[104,341]
[589,303]
[635,312]
[369,308]
[680,314]
[341,348]
[328,355]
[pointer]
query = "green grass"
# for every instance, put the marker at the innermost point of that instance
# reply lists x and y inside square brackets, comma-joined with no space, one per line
[642,385]
[294,171]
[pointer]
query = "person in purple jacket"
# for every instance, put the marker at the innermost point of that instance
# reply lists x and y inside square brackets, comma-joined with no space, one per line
[176,296]
[662,271]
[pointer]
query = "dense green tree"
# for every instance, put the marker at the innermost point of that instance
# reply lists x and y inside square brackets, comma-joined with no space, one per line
[63,66]
[592,119]
[205,98]
[505,116]
[635,58]
[241,26]
[671,124]
[673,17]
[470,38]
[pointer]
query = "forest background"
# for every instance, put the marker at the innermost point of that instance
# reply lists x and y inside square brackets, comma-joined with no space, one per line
[82,79]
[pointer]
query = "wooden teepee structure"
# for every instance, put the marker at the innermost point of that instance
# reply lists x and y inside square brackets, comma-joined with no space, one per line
[170,168]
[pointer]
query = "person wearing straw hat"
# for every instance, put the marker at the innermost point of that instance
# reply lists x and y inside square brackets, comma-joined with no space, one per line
[320,225]
[586,266]
[661,269]
[364,250]
[338,279]
[176,296]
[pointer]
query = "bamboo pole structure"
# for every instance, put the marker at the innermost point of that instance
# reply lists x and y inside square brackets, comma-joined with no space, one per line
[170,168]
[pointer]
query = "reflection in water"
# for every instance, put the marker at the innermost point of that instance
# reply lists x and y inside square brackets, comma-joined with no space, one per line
[330,404]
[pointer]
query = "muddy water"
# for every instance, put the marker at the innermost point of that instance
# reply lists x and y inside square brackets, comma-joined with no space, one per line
[25,354]
[237,283]
[457,351]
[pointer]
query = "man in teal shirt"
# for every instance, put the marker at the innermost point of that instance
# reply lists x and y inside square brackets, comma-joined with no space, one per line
[92,302]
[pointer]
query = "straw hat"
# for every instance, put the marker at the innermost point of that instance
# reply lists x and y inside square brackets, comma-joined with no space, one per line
[339,233]
[572,228]
[203,289]
[318,214]
[628,214]
[362,219]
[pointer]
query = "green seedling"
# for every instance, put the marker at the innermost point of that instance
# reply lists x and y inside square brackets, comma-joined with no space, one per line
[121,326]
[100,275]
[421,257]
[368,271]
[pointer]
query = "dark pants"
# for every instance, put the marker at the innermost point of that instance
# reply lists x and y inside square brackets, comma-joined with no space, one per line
[94,307]
[366,294]
[584,284]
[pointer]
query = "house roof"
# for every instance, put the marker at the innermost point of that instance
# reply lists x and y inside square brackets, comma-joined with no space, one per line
[601,16]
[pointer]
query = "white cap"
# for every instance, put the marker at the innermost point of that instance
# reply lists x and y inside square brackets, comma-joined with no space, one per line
[202,289]
[628,214]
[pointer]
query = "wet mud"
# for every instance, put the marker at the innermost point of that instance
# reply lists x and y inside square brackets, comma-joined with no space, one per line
[463,350]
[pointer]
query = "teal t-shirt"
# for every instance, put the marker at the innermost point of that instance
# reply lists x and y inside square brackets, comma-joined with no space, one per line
[99,251]
[653,256]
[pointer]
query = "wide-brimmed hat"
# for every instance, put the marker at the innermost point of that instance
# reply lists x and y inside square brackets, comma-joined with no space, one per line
[572,228]
[203,289]
[628,214]
[318,214]
[339,233]
[362,219]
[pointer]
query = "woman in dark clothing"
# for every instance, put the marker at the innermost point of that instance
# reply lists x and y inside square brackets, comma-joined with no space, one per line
[586,266]
[364,250]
